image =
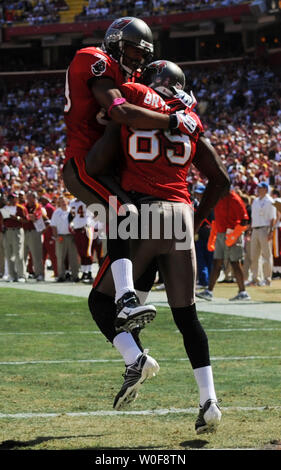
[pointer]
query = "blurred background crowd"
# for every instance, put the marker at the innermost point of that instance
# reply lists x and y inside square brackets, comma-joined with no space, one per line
[239,106]
[48,11]
[239,102]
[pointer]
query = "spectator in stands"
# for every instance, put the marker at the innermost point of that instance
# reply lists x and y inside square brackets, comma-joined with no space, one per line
[22,198]
[263,220]
[50,169]
[65,243]
[30,11]
[140,8]
[33,228]
[231,219]
[13,216]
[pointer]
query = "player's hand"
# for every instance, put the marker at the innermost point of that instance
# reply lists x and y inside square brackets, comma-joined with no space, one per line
[188,100]
[189,124]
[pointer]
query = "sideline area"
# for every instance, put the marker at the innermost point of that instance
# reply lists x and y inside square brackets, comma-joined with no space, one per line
[265,303]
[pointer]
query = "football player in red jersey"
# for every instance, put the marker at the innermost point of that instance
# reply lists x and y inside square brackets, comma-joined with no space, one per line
[154,173]
[92,92]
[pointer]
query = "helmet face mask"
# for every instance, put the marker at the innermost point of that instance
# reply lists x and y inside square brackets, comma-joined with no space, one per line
[164,76]
[133,58]
[129,31]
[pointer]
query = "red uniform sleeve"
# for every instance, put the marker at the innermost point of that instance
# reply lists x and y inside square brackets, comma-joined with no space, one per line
[143,96]
[133,92]
[90,63]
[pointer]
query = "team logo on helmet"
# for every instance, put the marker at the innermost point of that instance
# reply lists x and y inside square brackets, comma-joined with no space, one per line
[160,66]
[99,67]
[115,32]
[120,24]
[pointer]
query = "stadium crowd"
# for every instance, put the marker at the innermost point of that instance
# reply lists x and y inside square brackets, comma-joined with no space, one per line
[31,11]
[108,9]
[239,106]
[48,11]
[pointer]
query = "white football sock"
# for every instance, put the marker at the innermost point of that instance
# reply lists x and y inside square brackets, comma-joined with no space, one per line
[122,272]
[89,268]
[128,348]
[205,382]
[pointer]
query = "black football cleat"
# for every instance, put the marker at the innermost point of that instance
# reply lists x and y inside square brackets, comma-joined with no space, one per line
[209,417]
[143,368]
[131,314]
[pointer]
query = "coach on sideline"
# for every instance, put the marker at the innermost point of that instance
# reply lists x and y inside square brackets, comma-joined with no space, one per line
[264,216]
[33,229]
[13,215]
[65,243]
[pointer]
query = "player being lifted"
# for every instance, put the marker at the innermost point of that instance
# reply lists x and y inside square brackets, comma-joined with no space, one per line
[154,172]
[92,91]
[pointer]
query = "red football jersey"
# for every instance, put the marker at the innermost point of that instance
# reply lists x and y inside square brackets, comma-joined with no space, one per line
[83,115]
[36,210]
[230,211]
[156,162]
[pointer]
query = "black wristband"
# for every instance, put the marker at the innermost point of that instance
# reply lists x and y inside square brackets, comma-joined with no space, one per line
[173,121]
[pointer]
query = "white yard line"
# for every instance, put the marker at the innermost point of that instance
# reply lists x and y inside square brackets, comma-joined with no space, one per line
[97,361]
[159,412]
[27,333]
[239,329]
[251,309]
[3,333]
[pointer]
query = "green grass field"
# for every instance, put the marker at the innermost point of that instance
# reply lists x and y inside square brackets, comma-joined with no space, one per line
[54,362]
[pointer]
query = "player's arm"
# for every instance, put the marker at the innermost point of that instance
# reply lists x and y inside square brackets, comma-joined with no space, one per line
[108,96]
[126,113]
[105,152]
[208,162]
[54,225]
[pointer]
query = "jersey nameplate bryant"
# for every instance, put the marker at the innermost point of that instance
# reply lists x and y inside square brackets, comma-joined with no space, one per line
[155,101]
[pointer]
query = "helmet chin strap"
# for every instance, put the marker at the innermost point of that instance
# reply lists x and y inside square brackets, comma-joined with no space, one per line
[127,69]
